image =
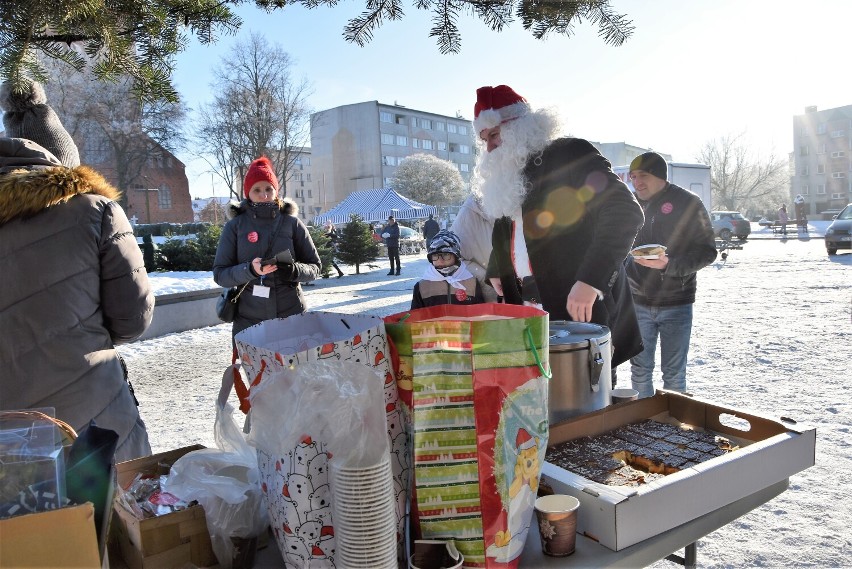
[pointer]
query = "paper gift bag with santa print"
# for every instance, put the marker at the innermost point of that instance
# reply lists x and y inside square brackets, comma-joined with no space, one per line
[295,480]
[473,380]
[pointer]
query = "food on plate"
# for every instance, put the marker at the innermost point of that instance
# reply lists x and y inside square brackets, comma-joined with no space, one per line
[650,251]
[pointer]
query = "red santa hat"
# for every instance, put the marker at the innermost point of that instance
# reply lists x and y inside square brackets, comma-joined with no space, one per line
[496,105]
[260,170]
[524,441]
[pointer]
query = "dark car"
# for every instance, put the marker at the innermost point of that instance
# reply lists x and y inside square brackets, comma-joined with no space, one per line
[839,233]
[727,224]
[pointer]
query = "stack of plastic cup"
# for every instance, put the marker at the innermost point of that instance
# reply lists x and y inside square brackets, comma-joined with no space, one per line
[364,515]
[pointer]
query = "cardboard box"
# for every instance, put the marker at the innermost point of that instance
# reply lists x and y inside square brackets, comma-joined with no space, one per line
[619,517]
[162,542]
[64,537]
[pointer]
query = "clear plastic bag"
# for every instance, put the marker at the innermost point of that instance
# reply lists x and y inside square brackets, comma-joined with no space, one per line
[225,481]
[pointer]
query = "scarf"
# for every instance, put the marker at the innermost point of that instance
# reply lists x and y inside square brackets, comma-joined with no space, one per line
[455,279]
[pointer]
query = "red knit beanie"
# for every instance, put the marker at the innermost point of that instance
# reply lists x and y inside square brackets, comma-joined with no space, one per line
[260,170]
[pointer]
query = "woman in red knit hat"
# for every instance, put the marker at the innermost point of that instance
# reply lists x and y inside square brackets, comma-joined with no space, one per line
[265,226]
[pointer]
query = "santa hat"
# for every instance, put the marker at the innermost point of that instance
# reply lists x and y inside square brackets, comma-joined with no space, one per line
[496,105]
[524,441]
[27,115]
[260,170]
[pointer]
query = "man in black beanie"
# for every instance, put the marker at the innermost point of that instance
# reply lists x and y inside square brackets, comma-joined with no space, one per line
[664,286]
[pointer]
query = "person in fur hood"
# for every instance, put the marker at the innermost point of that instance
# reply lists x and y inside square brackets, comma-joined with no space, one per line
[74,285]
[253,251]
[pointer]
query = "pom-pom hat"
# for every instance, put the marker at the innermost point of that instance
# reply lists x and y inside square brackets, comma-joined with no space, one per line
[652,163]
[260,170]
[496,105]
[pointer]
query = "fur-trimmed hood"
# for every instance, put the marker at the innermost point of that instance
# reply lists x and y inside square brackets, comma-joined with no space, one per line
[285,205]
[24,193]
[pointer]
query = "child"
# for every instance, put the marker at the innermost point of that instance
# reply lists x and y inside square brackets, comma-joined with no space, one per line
[447,280]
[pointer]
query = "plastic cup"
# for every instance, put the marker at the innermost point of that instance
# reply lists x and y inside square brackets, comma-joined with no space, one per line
[557,523]
[622,395]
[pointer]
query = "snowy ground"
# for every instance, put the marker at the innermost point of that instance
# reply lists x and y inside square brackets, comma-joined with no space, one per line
[772,334]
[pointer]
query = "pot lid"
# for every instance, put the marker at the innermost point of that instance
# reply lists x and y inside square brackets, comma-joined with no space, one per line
[566,334]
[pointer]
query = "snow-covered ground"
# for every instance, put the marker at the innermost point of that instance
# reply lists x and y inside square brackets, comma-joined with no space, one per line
[772,334]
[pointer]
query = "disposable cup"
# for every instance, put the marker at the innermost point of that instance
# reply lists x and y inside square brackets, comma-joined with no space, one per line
[557,523]
[622,395]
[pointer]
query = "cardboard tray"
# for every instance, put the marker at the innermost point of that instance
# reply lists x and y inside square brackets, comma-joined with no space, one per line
[619,517]
[170,541]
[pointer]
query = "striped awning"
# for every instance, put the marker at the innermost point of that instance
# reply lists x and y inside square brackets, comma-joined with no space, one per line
[375,205]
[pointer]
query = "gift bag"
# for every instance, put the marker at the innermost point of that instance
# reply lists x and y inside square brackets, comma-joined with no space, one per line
[295,479]
[473,380]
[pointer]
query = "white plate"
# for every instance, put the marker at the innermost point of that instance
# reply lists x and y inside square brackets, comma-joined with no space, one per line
[646,256]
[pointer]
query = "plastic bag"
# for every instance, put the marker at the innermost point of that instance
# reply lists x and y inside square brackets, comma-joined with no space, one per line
[225,481]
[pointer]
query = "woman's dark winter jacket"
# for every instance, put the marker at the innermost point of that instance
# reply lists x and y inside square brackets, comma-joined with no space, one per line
[74,285]
[247,236]
[677,219]
[434,293]
[579,224]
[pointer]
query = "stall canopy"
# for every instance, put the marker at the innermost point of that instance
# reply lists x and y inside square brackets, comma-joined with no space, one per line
[375,205]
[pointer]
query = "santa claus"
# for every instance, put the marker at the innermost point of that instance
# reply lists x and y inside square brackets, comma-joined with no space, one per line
[564,222]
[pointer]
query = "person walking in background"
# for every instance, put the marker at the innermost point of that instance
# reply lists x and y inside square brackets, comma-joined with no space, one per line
[390,233]
[474,230]
[564,221]
[664,288]
[801,216]
[73,279]
[783,218]
[263,225]
[333,239]
[447,279]
[430,229]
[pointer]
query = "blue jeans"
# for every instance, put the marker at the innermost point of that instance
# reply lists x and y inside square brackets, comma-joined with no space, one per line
[673,325]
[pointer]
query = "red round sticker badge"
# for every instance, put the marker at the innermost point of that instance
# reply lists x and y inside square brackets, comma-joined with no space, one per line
[461,294]
[252,237]
[667,207]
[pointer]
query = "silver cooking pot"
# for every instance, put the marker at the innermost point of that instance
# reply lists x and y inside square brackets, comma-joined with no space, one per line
[580,359]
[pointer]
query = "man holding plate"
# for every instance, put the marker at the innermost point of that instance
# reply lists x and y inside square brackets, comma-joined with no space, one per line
[674,244]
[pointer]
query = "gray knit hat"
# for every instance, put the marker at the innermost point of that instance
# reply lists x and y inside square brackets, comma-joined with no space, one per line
[27,115]
[652,163]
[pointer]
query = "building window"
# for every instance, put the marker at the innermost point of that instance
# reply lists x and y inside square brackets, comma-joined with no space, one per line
[442,145]
[838,175]
[307,161]
[462,130]
[803,151]
[297,176]
[164,197]
[439,125]
[838,133]
[426,124]
[821,149]
[427,144]
[452,128]
[389,160]
[415,142]
[400,119]
[806,190]
[464,149]
[308,177]
[298,161]
[820,168]
[310,193]
[821,128]
[820,189]
[387,138]
[838,154]
[804,170]
[387,182]
[413,122]
[464,167]
[401,140]
[385,116]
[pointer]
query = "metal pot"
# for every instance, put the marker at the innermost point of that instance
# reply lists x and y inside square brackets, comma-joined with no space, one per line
[580,359]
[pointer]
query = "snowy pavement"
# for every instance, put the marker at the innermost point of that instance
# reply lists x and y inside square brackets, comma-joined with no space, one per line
[772,334]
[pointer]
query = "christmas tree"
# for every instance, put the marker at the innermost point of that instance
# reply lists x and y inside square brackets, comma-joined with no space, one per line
[357,246]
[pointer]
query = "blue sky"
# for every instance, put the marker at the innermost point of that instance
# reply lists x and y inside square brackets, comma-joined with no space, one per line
[691,72]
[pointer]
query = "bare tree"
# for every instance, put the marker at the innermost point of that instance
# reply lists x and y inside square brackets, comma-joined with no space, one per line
[113,126]
[428,179]
[259,109]
[742,179]
[138,38]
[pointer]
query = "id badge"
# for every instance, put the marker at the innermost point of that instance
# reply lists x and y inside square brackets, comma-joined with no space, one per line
[261,291]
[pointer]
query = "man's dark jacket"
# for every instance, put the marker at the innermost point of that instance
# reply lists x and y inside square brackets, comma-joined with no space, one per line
[677,219]
[430,229]
[579,224]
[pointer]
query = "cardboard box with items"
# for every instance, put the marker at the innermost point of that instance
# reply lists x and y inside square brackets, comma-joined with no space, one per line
[625,506]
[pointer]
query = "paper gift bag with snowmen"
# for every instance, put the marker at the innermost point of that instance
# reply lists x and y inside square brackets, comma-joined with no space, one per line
[473,380]
[295,480]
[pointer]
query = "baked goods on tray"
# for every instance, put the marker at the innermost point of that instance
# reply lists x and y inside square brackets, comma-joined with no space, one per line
[637,453]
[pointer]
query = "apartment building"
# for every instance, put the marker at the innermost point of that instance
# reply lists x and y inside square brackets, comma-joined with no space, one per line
[822,158]
[300,186]
[359,146]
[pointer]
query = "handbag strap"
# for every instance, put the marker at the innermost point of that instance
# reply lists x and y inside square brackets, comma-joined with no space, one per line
[278,224]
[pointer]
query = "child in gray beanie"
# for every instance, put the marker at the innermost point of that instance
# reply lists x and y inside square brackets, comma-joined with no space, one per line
[27,115]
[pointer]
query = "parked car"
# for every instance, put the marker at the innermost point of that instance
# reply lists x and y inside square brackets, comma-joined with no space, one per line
[727,224]
[839,233]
